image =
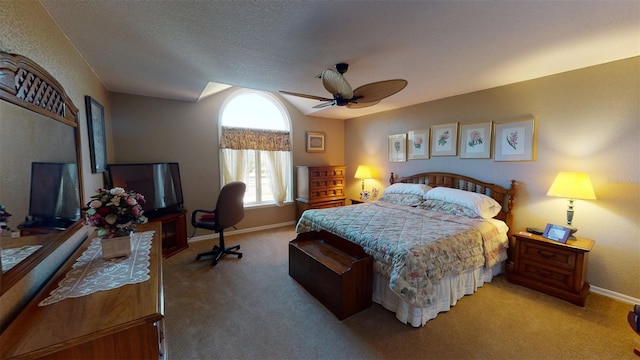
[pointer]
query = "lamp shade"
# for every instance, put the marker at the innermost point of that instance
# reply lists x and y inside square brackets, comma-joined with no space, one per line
[363,172]
[572,185]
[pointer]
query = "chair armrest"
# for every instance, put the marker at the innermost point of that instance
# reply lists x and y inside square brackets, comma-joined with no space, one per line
[194,215]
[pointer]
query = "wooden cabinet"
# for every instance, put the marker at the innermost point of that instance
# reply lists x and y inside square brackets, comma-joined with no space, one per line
[174,233]
[552,267]
[319,187]
[125,322]
[335,271]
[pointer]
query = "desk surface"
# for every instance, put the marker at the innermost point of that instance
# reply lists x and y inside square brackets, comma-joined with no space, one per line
[38,331]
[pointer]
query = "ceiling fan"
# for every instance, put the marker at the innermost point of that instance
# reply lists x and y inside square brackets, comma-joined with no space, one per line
[363,96]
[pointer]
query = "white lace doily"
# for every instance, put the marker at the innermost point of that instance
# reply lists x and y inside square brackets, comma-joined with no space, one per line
[91,273]
[12,256]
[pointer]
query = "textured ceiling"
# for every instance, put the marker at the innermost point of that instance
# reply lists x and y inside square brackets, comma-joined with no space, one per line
[173,49]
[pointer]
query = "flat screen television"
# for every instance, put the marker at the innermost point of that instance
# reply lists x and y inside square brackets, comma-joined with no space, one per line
[54,200]
[159,183]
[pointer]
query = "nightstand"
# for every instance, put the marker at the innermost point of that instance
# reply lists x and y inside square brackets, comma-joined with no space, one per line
[357,201]
[552,267]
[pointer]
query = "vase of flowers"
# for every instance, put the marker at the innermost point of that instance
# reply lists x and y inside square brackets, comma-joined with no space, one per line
[115,213]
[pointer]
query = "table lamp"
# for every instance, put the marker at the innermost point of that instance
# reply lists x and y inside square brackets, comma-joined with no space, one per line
[363,172]
[572,186]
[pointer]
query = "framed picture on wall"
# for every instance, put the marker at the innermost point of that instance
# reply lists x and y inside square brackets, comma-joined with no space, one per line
[418,144]
[515,140]
[315,141]
[444,140]
[398,148]
[475,140]
[97,138]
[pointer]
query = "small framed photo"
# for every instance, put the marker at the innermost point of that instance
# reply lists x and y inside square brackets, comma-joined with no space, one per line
[97,137]
[418,144]
[515,141]
[374,193]
[444,140]
[315,141]
[557,233]
[398,148]
[475,140]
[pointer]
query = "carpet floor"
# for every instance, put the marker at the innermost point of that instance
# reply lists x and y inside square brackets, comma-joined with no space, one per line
[250,308]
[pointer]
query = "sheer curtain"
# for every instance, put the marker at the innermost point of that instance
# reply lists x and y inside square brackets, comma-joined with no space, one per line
[273,144]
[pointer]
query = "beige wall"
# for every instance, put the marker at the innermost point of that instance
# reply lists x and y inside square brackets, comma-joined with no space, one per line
[150,129]
[587,121]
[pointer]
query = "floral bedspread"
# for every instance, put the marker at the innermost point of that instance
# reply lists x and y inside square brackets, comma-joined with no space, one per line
[414,248]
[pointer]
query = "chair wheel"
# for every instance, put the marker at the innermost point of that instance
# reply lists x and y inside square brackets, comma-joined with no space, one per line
[214,262]
[240,256]
[198,257]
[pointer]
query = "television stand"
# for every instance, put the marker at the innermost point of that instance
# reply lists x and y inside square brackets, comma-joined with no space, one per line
[174,232]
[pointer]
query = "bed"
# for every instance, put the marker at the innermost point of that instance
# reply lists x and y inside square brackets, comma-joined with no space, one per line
[434,237]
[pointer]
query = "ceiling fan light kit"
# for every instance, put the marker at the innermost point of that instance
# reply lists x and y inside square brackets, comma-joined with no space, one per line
[343,95]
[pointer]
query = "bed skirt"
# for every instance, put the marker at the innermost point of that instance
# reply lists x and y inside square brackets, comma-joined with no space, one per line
[449,291]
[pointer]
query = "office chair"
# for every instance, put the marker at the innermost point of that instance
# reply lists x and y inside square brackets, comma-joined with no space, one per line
[228,212]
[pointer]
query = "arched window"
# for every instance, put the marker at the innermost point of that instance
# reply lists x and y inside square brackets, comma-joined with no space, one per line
[255,147]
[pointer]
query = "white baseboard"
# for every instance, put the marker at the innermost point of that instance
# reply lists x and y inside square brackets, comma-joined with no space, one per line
[594,289]
[241,231]
[614,295]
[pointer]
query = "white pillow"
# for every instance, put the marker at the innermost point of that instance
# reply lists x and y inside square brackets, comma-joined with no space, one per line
[410,189]
[482,205]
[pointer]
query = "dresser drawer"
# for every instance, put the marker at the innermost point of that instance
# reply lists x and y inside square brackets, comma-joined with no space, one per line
[325,183]
[328,194]
[327,172]
[327,204]
[554,277]
[535,251]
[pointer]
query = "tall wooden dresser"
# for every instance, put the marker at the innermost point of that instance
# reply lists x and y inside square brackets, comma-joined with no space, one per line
[320,187]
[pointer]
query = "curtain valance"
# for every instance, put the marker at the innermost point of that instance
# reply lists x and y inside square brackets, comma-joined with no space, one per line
[254,139]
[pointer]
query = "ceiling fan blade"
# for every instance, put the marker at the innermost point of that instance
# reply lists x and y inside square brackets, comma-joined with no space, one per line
[379,90]
[325,104]
[360,104]
[306,96]
[336,84]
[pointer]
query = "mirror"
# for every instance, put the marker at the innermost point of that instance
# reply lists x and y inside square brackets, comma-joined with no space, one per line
[38,123]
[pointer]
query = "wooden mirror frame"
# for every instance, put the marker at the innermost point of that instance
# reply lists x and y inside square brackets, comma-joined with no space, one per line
[26,84]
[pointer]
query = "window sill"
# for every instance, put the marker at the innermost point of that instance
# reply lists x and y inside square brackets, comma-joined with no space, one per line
[266,205]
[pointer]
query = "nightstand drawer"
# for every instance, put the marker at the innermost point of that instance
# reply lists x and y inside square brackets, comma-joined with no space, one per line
[533,251]
[547,275]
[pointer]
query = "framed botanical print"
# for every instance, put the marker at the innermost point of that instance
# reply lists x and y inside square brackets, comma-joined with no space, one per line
[444,139]
[418,144]
[315,141]
[475,140]
[97,137]
[515,141]
[398,147]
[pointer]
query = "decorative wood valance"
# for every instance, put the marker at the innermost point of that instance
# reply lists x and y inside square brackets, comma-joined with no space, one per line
[26,84]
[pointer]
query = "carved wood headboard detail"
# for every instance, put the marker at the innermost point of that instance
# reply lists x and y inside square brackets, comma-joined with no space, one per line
[26,84]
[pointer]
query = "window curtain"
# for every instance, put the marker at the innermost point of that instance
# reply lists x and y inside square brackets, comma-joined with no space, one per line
[273,144]
[277,165]
[234,165]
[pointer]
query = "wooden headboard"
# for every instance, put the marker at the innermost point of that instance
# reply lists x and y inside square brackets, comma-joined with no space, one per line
[506,197]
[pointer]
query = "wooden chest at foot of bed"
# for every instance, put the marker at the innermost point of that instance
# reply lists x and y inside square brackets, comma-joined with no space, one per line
[335,271]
